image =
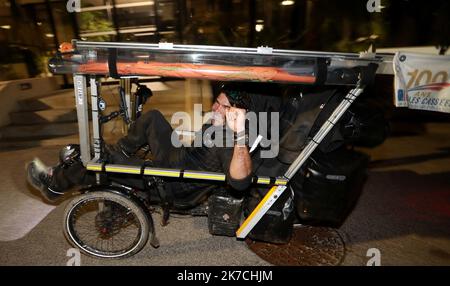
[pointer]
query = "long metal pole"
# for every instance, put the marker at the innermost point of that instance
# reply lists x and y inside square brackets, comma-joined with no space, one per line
[320,135]
[226,49]
[81,103]
[125,83]
[95,93]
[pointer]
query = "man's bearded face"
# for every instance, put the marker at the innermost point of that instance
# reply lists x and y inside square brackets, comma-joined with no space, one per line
[219,109]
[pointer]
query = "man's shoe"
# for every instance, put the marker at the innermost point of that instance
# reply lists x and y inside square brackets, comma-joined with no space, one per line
[40,177]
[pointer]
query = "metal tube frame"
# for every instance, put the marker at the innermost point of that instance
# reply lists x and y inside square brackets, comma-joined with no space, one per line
[384,60]
[81,103]
[224,49]
[125,83]
[96,128]
[323,131]
[274,193]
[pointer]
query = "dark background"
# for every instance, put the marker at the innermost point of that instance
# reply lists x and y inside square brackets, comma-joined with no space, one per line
[31,30]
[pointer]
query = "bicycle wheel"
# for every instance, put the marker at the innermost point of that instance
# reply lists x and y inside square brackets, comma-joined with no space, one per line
[106,224]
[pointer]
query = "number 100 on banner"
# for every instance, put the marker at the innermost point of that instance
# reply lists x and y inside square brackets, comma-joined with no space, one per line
[422,81]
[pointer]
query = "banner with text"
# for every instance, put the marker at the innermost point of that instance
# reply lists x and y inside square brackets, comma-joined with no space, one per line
[422,81]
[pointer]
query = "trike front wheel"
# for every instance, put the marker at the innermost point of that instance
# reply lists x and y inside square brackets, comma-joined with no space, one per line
[106,224]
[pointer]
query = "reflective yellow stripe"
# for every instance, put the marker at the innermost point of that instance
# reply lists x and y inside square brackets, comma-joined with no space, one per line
[281,182]
[204,176]
[122,170]
[95,167]
[175,174]
[263,181]
[256,210]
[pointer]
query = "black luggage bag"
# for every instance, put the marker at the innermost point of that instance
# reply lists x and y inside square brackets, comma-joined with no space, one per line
[328,187]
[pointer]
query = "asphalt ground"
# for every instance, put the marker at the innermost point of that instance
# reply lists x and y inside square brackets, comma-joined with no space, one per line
[403,213]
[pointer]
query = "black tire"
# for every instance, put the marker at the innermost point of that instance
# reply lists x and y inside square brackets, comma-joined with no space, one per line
[106,223]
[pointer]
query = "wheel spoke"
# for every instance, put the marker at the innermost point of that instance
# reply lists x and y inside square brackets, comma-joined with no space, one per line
[105,227]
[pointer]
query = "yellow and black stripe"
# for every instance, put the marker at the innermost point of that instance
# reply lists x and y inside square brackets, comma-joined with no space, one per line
[176,173]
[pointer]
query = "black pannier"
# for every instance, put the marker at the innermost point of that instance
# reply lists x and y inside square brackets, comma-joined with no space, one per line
[277,224]
[327,188]
[224,213]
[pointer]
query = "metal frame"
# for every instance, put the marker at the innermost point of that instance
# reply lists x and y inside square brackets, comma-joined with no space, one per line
[232,50]
[125,83]
[95,93]
[279,184]
[81,103]
[92,163]
[177,173]
[384,60]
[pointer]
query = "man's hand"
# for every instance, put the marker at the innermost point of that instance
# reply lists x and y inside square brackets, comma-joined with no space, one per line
[241,163]
[236,119]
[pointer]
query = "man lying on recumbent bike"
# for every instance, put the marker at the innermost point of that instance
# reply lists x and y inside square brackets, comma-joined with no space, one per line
[229,111]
